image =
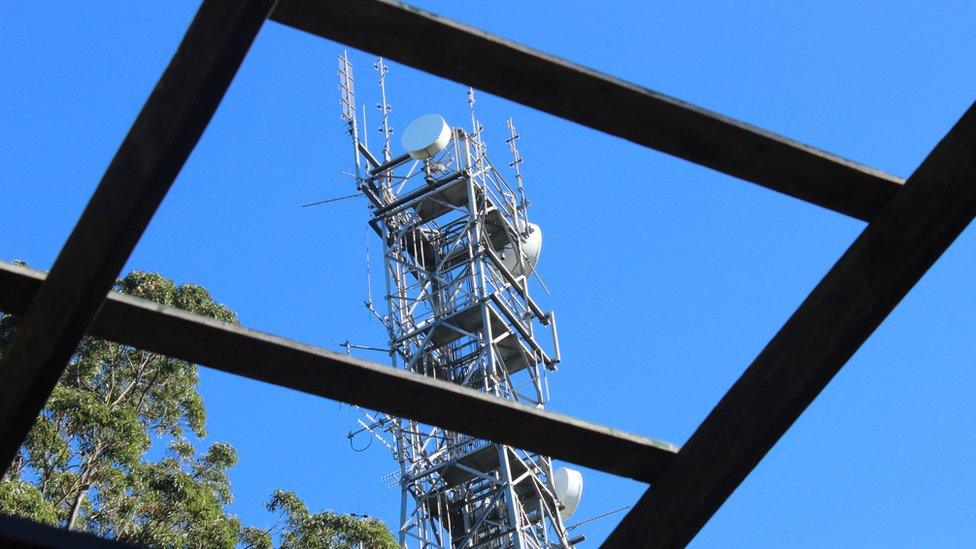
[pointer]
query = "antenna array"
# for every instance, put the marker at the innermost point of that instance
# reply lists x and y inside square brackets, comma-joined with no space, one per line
[458,252]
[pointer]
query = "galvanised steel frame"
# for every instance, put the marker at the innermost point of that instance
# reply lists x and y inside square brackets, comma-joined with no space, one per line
[457,311]
[910,224]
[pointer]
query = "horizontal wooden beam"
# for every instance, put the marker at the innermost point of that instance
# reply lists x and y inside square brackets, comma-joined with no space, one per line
[145,165]
[337,376]
[858,293]
[580,94]
[18,532]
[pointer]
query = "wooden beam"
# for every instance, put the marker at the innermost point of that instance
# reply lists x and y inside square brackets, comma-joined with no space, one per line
[580,94]
[858,293]
[134,184]
[337,376]
[18,532]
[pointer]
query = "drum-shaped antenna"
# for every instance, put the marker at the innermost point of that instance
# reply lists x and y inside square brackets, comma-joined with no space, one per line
[426,136]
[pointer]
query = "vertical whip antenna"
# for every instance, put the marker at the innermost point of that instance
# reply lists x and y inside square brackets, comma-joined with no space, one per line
[516,162]
[369,277]
[516,165]
[347,103]
[365,134]
[474,121]
[476,127]
[384,107]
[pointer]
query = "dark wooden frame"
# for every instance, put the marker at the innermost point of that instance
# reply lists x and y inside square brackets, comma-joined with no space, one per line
[910,225]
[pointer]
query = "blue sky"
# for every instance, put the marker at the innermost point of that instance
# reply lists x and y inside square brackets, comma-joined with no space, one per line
[667,278]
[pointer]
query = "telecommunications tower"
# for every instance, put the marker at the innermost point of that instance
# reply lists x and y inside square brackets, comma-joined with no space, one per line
[458,252]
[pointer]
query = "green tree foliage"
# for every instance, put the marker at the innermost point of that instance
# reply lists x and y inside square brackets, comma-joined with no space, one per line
[297,528]
[83,465]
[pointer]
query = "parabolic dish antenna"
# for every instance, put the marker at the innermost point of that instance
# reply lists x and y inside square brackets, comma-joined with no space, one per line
[531,248]
[426,136]
[569,489]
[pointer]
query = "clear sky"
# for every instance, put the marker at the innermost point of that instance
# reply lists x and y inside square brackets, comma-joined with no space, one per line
[667,278]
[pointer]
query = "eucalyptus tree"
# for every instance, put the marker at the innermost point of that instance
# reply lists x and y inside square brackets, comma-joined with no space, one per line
[82,465]
[85,465]
[297,528]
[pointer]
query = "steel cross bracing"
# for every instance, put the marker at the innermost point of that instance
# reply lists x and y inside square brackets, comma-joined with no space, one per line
[910,225]
[456,311]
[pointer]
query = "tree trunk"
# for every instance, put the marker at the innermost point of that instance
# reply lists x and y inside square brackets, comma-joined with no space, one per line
[76,505]
[83,487]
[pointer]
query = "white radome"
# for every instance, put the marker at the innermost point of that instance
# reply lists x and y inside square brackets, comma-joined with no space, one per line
[531,248]
[569,489]
[426,136]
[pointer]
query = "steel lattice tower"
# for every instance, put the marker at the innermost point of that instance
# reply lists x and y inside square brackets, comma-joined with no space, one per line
[454,236]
